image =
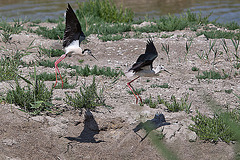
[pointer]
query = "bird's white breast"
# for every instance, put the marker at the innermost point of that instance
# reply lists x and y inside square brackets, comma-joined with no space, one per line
[73,48]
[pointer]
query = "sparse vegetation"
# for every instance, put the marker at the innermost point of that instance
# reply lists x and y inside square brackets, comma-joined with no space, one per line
[8,68]
[191,89]
[228,91]
[236,65]
[9,29]
[195,69]
[105,71]
[165,47]
[33,98]
[103,18]
[164,85]
[212,75]
[188,46]
[88,97]
[50,52]
[46,76]
[172,106]
[217,34]
[175,106]
[105,10]
[137,91]
[85,71]
[54,33]
[66,85]
[150,102]
[215,129]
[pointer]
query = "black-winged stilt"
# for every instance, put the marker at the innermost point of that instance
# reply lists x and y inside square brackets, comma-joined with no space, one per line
[73,36]
[143,66]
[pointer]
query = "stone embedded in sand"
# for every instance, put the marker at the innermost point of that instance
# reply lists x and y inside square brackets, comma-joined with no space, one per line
[9,142]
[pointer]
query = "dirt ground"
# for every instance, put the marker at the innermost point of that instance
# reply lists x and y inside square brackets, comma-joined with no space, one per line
[108,134]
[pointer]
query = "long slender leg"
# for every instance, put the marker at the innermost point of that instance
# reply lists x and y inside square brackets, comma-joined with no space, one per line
[137,94]
[133,91]
[57,70]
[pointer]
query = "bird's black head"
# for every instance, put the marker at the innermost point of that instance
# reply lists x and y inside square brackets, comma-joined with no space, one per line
[89,52]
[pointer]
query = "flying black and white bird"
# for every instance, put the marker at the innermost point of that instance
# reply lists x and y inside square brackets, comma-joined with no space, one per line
[144,67]
[73,36]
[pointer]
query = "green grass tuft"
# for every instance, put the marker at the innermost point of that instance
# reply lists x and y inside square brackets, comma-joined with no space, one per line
[172,106]
[51,52]
[46,76]
[105,10]
[215,129]
[105,71]
[84,71]
[217,34]
[150,102]
[33,99]
[212,75]
[236,65]
[195,69]
[137,91]
[54,33]
[66,85]
[164,85]
[9,29]
[8,68]
[88,97]
[175,106]
[228,91]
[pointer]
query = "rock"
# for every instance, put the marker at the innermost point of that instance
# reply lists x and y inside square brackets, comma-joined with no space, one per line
[170,131]
[143,24]
[8,158]
[192,136]
[38,119]
[115,134]
[29,58]
[202,38]
[114,123]
[145,113]
[51,121]
[9,142]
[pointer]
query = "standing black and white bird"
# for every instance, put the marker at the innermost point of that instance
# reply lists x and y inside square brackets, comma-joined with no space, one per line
[73,36]
[144,67]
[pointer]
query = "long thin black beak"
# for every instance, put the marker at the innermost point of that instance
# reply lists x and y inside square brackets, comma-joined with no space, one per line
[163,69]
[167,71]
[92,55]
[89,52]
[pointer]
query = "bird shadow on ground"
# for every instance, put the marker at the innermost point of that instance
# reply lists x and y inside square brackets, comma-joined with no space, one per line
[90,130]
[150,125]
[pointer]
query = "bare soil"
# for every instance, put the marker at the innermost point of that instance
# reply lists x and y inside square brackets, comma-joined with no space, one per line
[107,133]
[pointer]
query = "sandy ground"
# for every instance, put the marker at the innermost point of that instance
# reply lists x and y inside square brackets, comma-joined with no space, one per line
[108,134]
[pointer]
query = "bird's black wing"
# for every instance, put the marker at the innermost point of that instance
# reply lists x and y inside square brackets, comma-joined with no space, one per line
[73,30]
[147,58]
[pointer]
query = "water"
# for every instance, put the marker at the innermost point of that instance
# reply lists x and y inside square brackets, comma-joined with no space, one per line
[224,10]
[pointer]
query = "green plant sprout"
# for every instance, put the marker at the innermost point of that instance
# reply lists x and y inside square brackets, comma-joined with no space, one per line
[166,49]
[188,45]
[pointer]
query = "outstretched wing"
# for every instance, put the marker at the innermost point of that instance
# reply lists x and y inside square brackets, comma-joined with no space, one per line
[147,58]
[73,30]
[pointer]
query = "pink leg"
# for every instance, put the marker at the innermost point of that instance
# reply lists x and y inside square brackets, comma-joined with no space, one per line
[57,70]
[133,91]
